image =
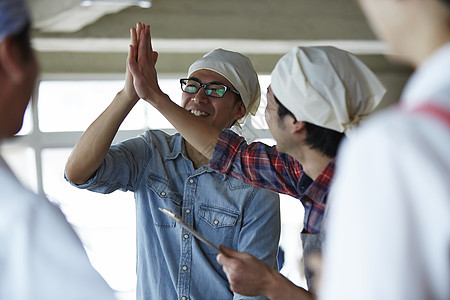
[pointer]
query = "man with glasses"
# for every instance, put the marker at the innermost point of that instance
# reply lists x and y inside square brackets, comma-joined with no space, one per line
[41,257]
[164,171]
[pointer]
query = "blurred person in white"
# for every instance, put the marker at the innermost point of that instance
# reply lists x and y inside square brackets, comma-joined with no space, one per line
[41,257]
[389,222]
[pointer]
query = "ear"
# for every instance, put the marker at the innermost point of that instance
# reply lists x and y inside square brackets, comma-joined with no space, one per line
[297,126]
[240,110]
[11,61]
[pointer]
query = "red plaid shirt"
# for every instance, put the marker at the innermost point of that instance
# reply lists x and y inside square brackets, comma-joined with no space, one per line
[261,165]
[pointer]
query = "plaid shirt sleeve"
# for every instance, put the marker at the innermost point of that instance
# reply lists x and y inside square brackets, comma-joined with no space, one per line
[257,164]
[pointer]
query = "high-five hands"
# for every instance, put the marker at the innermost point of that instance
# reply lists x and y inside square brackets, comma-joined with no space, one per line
[141,65]
[128,89]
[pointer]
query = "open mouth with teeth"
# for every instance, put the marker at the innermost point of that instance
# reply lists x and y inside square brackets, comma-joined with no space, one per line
[199,113]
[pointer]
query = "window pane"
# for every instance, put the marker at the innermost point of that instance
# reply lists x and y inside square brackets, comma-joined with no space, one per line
[292,212]
[105,223]
[27,125]
[21,160]
[74,105]
[259,120]
[172,88]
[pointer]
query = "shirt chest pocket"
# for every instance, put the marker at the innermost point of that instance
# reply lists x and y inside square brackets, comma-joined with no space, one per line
[165,196]
[218,225]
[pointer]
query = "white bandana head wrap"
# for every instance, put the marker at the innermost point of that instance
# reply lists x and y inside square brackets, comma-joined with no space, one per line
[13,17]
[238,70]
[326,86]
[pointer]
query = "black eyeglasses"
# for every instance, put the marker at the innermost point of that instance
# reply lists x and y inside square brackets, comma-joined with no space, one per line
[215,90]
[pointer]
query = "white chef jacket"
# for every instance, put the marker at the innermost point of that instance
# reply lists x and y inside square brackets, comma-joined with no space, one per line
[41,257]
[389,215]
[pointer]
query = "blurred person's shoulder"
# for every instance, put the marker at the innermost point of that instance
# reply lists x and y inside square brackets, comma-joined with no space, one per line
[402,133]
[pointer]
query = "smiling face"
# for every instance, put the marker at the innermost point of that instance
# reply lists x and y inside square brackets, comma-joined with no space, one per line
[218,112]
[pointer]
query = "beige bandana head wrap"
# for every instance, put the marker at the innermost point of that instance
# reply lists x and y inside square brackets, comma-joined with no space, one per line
[326,86]
[238,70]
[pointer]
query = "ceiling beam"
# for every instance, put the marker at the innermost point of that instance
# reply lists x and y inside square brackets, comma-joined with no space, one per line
[120,45]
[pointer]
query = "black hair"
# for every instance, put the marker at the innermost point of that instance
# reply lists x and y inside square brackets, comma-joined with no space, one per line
[282,110]
[22,39]
[323,139]
[319,138]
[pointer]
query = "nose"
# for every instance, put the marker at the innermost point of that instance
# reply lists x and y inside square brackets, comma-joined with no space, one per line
[200,96]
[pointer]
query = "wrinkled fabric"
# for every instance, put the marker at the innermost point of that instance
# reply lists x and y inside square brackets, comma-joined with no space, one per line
[392,181]
[41,257]
[171,263]
[326,86]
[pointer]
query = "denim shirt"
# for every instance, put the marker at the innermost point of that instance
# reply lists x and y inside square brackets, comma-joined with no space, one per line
[172,264]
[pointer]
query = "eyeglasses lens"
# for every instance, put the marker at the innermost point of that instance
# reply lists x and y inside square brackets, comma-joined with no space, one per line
[212,90]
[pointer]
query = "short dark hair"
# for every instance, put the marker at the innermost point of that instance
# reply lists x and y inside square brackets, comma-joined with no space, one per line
[319,138]
[323,139]
[23,41]
[282,110]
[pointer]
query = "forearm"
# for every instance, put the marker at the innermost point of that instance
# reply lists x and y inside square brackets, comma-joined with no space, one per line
[93,145]
[280,288]
[198,133]
[256,163]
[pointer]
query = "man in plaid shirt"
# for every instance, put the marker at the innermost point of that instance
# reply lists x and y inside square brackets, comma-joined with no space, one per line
[316,95]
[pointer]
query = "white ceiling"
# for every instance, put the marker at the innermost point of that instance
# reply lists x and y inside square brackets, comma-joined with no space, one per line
[75,39]
[70,37]
[253,26]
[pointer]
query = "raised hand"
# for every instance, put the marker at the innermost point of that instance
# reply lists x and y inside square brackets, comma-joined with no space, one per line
[129,89]
[141,63]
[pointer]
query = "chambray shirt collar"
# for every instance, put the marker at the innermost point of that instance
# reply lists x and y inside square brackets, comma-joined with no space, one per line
[179,148]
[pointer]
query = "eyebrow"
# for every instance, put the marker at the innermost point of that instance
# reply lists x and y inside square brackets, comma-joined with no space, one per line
[211,82]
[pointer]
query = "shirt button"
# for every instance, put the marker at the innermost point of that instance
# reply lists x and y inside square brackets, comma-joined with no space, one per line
[191,180]
[163,193]
[184,268]
[188,210]
[186,236]
[183,298]
[216,222]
